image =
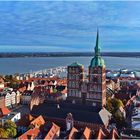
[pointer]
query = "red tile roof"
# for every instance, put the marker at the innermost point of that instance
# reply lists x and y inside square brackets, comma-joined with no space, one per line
[22,89]
[100,134]
[129,102]
[30,134]
[52,132]
[86,133]
[45,79]
[38,121]
[4,111]
[72,132]
[113,134]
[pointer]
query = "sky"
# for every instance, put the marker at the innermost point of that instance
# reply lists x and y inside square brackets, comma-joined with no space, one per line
[69,26]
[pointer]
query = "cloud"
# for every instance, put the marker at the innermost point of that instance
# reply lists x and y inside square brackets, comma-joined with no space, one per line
[61,24]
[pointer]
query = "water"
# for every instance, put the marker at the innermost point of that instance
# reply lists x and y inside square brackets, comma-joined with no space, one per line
[22,65]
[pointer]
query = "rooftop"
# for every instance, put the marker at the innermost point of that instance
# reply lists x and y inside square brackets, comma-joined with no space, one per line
[76,64]
[30,134]
[86,113]
[4,111]
[10,115]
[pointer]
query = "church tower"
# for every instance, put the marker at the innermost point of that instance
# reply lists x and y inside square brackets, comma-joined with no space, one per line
[97,79]
[75,78]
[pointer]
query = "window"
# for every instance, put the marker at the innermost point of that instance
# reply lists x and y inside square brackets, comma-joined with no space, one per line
[77,77]
[95,79]
[87,95]
[69,93]
[69,83]
[69,76]
[99,71]
[91,96]
[79,93]
[76,95]
[73,84]
[99,80]
[73,70]
[90,87]
[73,77]
[73,93]
[77,70]
[90,78]
[99,88]
[95,87]
[77,84]
[69,69]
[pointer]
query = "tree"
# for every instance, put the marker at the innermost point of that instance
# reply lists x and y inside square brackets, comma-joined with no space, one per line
[54,90]
[3,133]
[11,128]
[119,118]
[113,106]
[12,81]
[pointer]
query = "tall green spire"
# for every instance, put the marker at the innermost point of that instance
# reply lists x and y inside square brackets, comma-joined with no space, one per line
[97,60]
[97,48]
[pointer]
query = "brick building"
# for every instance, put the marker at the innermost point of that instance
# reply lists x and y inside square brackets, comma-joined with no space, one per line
[75,79]
[93,91]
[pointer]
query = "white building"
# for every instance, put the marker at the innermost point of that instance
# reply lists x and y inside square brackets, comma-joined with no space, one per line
[136,119]
[13,98]
[7,99]
[13,116]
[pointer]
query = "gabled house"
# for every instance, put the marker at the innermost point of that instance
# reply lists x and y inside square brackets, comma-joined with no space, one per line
[53,133]
[13,98]
[72,133]
[31,134]
[8,99]
[38,122]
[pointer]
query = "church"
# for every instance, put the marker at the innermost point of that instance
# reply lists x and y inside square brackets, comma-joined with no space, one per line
[91,90]
[86,99]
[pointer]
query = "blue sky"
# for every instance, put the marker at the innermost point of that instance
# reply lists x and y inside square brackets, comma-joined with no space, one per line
[45,26]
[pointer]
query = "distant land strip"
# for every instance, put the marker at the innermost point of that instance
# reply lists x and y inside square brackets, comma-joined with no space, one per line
[66,54]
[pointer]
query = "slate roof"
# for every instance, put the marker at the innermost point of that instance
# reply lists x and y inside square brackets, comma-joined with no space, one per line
[131,133]
[66,104]
[80,114]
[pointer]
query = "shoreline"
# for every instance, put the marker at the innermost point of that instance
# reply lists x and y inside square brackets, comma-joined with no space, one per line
[67,54]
